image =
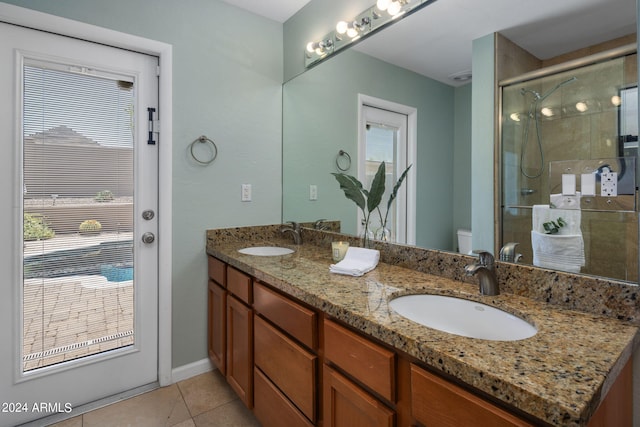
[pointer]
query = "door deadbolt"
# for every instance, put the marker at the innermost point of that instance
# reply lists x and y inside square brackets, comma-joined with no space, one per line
[148,237]
[148,214]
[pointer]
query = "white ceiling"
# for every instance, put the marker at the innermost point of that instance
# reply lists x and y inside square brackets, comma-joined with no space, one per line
[436,41]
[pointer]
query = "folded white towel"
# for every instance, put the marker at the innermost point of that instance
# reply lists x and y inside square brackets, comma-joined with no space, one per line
[558,251]
[563,251]
[356,262]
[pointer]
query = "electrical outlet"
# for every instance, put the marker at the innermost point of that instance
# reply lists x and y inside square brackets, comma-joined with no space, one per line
[246,193]
[313,192]
[609,184]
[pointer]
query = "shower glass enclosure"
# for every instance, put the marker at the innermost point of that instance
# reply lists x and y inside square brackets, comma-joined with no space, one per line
[582,118]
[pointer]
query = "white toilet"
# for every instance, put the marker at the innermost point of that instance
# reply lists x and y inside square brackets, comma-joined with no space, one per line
[464,241]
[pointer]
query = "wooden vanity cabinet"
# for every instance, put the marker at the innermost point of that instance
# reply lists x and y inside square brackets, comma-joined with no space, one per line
[373,367]
[438,402]
[286,365]
[230,327]
[217,314]
[347,405]
[293,366]
[217,326]
[239,370]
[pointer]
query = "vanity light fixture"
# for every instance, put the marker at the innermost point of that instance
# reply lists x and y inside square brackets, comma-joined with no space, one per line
[353,28]
[393,7]
[616,100]
[320,48]
[367,22]
[547,112]
[515,117]
[582,106]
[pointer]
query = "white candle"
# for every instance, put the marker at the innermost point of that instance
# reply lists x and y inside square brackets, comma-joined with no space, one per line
[338,250]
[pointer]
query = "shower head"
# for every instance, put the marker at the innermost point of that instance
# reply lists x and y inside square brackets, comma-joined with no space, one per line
[535,94]
[558,86]
[538,97]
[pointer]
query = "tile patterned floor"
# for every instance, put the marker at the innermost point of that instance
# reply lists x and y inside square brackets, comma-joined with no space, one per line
[202,401]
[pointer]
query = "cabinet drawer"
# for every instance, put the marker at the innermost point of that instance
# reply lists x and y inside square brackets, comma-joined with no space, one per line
[239,284]
[271,407]
[435,401]
[369,363]
[347,405]
[288,365]
[217,271]
[294,319]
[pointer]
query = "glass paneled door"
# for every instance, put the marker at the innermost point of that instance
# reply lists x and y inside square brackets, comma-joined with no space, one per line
[385,140]
[80,254]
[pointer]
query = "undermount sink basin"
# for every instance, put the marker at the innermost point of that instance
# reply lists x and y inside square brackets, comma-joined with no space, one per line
[463,317]
[266,251]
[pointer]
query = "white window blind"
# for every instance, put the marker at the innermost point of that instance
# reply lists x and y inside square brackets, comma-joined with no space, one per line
[78,162]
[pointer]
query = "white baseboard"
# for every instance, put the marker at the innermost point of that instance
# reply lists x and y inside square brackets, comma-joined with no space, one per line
[191,370]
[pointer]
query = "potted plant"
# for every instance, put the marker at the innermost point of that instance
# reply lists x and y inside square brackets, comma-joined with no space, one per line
[90,226]
[369,200]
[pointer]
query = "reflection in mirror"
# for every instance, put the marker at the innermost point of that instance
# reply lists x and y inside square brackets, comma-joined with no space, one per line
[561,134]
[320,119]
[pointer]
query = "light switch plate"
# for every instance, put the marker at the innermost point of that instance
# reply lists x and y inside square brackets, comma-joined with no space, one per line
[246,193]
[568,184]
[609,184]
[313,192]
[588,184]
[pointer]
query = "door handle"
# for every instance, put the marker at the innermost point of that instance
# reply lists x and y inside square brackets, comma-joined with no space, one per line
[148,237]
[148,214]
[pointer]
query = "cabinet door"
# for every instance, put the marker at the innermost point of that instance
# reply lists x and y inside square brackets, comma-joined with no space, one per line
[347,405]
[240,349]
[437,402]
[217,326]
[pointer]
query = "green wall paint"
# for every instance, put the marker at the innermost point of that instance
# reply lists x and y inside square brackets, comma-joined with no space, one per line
[320,118]
[482,142]
[462,161]
[227,85]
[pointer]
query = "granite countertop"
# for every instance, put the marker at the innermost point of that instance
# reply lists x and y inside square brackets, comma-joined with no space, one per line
[559,376]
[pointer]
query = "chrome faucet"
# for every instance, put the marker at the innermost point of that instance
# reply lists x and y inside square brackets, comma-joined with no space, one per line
[508,253]
[294,229]
[486,271]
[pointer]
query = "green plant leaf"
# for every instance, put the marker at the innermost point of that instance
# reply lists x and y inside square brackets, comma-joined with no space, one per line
[374,197]
[396,187]
[352,189]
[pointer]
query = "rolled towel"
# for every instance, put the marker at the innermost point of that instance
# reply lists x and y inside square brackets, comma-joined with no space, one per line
[356,262]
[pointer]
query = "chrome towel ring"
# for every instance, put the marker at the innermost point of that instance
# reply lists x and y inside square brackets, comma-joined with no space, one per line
[203,140]
[346,163]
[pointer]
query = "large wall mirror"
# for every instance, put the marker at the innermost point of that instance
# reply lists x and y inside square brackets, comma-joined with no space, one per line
[321,105]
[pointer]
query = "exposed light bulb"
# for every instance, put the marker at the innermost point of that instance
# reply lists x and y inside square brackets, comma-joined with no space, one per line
[581,106]
[616,100]
[546,111]
[342,27]
[352,32]
[311,47]
[394,8]
[515,117]
[383,4]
